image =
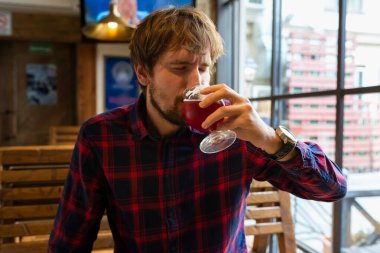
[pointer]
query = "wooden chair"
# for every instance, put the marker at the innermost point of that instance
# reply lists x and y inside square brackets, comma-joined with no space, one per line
[31,181]
[268,213]
[63,134]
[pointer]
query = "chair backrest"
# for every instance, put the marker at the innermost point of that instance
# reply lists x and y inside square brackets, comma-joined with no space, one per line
[31,182]
[59,135]
[268,213]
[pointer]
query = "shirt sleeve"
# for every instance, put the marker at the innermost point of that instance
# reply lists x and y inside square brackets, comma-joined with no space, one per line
[82,203]
[309,175]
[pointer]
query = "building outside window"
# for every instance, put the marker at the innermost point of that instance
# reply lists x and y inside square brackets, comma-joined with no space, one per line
[298,87]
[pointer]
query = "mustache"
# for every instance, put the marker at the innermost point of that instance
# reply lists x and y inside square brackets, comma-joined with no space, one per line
[178,100]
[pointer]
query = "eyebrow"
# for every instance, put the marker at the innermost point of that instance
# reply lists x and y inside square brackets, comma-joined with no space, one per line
[179,62]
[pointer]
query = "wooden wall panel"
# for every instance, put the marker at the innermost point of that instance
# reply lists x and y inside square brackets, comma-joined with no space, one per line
[86,81]
[49,28]
[45,27]
[67,29]
[30,106]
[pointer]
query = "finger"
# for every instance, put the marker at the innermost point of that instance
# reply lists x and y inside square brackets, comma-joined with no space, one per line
[223,92]
[217,94]
[212,88]
[229,123]
[221,113]
[231,114]
[212,118]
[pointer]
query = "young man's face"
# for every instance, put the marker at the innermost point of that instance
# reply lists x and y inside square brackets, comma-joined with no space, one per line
[173,72]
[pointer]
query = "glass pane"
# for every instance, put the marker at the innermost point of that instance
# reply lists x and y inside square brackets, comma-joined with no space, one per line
[256,50]
[309,47]
[362,133]
[361,158]
[363,43]
[263,108]
[311,119]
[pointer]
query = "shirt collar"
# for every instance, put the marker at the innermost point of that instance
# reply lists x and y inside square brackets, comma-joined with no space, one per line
[140,126]
[136,118]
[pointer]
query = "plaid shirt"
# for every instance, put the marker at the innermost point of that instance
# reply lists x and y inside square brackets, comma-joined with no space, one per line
[165,195]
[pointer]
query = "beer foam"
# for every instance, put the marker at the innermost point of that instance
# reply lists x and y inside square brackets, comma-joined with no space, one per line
[193,93]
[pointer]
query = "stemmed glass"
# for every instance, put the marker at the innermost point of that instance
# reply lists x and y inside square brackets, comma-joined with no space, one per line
[194,116]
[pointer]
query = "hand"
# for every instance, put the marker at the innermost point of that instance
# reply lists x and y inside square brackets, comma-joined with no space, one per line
[241,117]
[128,10]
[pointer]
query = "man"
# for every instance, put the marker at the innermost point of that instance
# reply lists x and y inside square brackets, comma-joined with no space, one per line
[143,166]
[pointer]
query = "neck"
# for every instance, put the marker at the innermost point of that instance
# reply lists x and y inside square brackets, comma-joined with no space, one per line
[162,126]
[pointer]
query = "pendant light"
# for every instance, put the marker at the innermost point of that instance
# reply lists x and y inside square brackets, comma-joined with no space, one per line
[110,28]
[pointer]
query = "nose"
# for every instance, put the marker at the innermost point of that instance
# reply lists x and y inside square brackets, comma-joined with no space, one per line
[194,78]
[198,77]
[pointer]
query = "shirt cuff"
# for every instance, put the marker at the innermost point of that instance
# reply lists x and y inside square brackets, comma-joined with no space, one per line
[299,160]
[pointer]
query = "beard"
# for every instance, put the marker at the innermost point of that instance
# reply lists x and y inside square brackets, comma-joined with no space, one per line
[171,114]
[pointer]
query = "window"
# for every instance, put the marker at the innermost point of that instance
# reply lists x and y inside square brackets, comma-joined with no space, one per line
[297,122]
[257,36]
[256,1]
[353,6]
[300,84]
[313,122]
[361,133]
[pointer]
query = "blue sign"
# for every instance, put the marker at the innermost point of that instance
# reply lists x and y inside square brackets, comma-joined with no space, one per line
[95,10]
[121,85]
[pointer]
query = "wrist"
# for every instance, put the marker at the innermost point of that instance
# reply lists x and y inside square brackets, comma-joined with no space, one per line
[272,143]
[283,146]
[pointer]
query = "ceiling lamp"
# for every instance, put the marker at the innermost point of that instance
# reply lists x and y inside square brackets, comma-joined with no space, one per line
[110,28]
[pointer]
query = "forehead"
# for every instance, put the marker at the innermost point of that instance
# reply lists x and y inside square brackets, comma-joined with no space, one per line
[184,55]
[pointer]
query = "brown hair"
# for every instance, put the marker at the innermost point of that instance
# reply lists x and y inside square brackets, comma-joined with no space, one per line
[172,29]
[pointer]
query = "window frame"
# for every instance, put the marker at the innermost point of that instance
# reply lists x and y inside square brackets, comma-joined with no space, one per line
[229,12]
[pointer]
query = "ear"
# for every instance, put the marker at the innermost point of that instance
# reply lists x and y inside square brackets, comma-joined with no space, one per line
[142,75]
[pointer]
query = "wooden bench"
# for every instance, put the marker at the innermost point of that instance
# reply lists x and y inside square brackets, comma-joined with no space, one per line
[269,213]
[61,135]
[31,181]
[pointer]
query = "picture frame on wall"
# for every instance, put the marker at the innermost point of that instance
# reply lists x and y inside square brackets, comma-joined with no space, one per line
[116,81]
[121,85]
[41,84]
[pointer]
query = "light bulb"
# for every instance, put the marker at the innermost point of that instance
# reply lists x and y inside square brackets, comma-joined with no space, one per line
[112,25]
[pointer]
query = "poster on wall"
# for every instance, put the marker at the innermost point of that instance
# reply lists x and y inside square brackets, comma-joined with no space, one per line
[41,84]
[5,22]
[121,85]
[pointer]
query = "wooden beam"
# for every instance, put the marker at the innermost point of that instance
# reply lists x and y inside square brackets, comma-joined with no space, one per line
[19,155]
[86,81]
[45,27]
[102,242]
[262,197]
[32,193]
[40,227]
[34,175]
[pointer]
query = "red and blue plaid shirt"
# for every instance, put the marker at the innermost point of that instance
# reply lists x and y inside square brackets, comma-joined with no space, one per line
[165,195]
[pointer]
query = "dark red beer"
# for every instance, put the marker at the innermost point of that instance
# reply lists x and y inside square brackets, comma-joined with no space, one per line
[195,115]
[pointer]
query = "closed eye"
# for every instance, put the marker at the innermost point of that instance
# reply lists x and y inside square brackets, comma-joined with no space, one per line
[179,68]
[203,69]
